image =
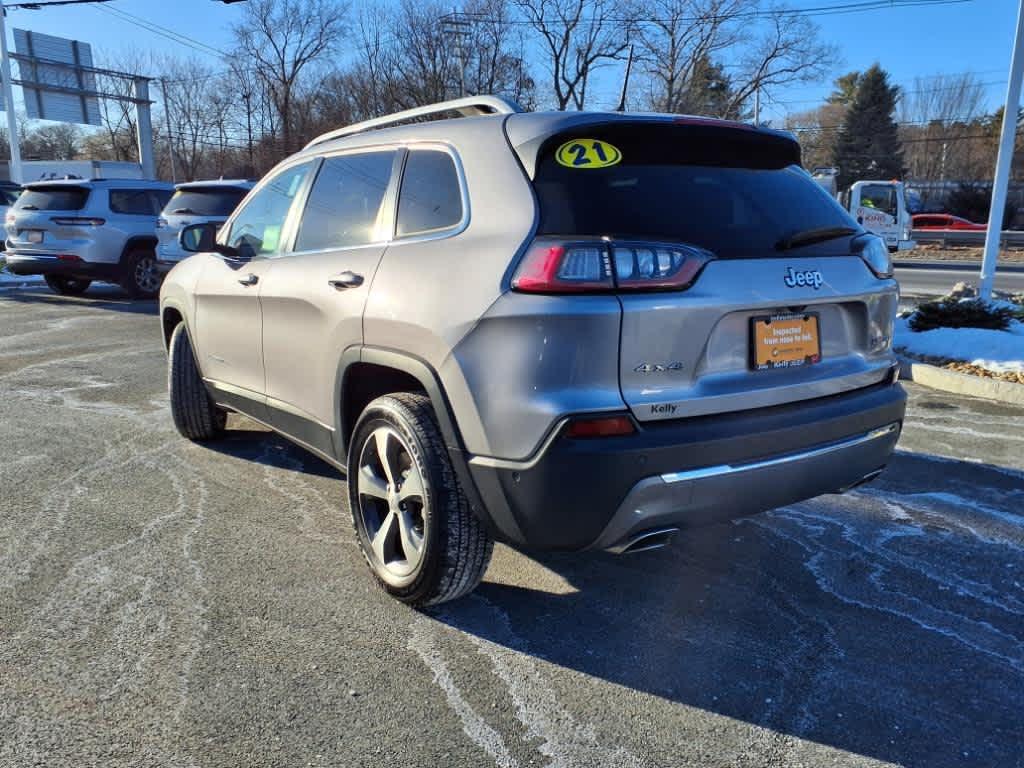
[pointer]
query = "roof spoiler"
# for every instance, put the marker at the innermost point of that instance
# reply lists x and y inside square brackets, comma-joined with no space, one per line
[470,106]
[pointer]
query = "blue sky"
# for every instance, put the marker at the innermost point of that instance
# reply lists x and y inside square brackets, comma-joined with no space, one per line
[974,36]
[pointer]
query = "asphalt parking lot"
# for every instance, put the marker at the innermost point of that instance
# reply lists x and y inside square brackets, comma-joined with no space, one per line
[166,604]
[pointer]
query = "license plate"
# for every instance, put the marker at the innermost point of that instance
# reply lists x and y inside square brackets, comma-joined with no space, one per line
[34,236]
[784,341]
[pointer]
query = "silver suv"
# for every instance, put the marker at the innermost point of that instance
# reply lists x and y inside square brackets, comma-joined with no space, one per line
[195,202]
[75,231]
[564,331]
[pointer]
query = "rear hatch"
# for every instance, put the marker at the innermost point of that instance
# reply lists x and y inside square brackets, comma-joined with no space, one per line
[48,218]
[740,279]
[193,205]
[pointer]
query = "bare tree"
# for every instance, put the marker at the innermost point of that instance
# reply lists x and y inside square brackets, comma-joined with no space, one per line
[941,117]
[284,40]
[784,49]
[577,37]
[677,41]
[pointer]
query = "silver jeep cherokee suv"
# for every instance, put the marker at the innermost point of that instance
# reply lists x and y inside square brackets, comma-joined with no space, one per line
[564,331]
[75,231]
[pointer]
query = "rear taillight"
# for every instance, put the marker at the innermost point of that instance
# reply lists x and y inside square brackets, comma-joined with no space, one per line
[596,266]
[68,257]
[9,221]
[161,223]
[77,221]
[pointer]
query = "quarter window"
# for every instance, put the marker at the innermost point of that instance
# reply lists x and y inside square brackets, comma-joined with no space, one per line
[430,198]
[345,202]
[257,229]
[133,202]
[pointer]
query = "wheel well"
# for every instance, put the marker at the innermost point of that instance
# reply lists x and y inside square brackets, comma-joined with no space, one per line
[170,320]
[365,382]
[149,243]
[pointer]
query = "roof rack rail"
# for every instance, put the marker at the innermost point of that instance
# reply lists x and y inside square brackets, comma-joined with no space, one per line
[467,107]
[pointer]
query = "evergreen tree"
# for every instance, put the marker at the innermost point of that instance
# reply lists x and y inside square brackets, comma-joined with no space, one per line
[868,145]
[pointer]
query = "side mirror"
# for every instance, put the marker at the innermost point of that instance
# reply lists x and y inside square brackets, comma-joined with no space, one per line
[202,238]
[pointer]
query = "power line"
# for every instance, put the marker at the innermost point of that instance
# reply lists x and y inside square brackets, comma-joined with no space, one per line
[39,6]
[170,34]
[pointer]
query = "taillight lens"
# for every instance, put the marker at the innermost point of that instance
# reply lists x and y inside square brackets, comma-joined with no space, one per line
[161,223]
[876,254]
[77,221]
[556,267]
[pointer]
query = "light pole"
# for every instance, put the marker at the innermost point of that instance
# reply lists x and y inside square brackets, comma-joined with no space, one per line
[1002,177]
[12,123]
[247,98]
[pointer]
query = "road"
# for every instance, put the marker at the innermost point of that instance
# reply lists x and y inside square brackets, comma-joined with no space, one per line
[935,278]
[170,604]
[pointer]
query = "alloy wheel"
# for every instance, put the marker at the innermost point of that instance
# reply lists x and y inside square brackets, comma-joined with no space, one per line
[392,504]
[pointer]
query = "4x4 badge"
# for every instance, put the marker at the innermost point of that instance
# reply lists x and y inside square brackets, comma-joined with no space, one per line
[658,367]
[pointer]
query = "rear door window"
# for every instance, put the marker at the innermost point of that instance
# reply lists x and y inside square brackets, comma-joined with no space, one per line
[53,198]
[345,202]
[430,199]
[730,192]
[208,201]
[132,202]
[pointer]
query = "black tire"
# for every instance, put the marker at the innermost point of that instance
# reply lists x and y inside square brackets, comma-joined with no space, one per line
[195,415]
[455,548]
[140,278]
[67,286]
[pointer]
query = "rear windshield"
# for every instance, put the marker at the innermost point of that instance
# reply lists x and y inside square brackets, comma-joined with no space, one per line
[213,201]
[52,199]
[730,197]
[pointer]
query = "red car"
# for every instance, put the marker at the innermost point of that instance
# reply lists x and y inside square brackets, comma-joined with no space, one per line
[945,221]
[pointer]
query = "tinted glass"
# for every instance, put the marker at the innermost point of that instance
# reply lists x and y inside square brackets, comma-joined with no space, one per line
[8,195]
[345,201]
[52,199]
[258,227]
[159,198]
[134,202]
[734,198]
[430,198]
[209,201]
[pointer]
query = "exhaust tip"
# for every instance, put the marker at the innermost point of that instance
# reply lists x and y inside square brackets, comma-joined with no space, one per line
[863,481]
[656,538]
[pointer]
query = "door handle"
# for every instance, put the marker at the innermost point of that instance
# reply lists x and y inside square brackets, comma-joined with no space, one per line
[346,279]
[249,280]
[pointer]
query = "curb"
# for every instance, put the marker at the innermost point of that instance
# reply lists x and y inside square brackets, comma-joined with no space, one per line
[961,383]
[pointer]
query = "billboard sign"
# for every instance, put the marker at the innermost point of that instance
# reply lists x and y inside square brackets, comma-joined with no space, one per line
[57,78]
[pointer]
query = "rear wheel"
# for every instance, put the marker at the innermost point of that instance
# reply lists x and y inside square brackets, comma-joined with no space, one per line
[423,544]
[141,278]
[195,414]
[67,286]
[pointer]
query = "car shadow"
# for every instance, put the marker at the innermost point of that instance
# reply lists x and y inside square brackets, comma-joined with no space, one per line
[886,622]
[245,439]
[108,297]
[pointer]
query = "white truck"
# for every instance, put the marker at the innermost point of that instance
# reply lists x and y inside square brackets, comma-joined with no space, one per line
[880,206]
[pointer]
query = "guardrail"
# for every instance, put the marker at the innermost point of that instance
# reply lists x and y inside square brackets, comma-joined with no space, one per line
[1007,238]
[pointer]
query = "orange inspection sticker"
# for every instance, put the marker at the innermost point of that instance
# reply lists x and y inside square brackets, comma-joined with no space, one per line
[587,153]
[784,341]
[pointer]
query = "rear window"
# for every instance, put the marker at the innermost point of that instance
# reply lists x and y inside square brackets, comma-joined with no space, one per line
[134,202]
[52,199]
[430,198]
[733,194]
[212,201]
[8,196]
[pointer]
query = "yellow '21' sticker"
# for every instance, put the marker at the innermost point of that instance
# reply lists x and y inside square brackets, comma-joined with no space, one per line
[587,153]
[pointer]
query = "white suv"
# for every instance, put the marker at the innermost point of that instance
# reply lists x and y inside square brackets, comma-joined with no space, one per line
[195,202]
[75,231]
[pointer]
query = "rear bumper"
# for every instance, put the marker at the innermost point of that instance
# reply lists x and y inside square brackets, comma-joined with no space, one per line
[600,493]
[47,264]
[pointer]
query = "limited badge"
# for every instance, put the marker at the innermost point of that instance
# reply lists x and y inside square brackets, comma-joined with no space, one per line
[587,153]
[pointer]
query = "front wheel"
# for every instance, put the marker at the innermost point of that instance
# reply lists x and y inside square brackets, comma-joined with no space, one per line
[195,414]
[421,540]
[67,286]
[141,279]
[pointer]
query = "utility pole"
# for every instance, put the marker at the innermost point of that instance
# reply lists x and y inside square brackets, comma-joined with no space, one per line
[456,26]
[757,104]
[625,81]
[247,98]
[1002,177]
[144,127]
[167,121]
[12,122]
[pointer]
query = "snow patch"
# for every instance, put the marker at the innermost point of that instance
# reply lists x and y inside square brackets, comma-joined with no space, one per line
[998,351]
